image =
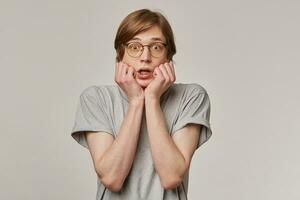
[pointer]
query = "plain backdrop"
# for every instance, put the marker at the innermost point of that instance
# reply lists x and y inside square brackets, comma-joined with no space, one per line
[246,54]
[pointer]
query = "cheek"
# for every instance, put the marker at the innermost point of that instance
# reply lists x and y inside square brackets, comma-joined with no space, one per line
[129,62]
[162,61]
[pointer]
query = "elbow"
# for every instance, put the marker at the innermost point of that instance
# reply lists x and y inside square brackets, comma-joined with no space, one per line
[114,184]
[171,183]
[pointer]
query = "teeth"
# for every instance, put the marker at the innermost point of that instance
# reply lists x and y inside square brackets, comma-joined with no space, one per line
[144,72]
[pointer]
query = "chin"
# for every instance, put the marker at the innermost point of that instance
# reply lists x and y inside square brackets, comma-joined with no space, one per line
[144,83]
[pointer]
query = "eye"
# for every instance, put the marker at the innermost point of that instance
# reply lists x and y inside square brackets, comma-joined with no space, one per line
[157,46]
[134,46]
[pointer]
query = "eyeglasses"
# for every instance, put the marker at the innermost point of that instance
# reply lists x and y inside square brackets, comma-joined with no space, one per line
[135,49]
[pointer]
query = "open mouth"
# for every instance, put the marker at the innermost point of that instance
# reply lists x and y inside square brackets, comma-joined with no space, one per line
[144,74]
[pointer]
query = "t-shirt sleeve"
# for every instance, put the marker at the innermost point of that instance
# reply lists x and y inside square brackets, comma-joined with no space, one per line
[91,115]
[195,109]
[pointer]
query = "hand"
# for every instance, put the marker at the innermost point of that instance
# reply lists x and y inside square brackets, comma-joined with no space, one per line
[164,77]
[125,78]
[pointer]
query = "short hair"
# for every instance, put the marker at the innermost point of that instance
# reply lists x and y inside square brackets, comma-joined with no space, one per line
[140,21]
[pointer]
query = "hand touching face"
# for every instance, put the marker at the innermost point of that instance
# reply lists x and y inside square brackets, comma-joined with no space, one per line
[125,78]
[164,77]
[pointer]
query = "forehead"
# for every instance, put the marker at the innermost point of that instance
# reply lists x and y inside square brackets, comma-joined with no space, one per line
[152,34]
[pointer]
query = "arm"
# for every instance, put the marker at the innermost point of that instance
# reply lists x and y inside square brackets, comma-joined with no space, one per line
[171,157]
[114,160]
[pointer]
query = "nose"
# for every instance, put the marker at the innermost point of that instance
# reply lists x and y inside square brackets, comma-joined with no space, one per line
[146,55]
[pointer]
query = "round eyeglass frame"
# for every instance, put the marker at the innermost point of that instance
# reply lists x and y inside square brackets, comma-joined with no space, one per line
[143,46]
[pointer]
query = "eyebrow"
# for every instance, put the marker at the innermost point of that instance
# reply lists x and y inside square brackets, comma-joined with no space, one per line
[153,38]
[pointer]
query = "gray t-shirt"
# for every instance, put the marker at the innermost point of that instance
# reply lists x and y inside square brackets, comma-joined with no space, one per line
[103,107]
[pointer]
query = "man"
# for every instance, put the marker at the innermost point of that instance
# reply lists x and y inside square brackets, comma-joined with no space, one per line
[142,133]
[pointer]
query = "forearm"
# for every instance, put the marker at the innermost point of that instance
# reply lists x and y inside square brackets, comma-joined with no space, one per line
[116,162]
[168,160]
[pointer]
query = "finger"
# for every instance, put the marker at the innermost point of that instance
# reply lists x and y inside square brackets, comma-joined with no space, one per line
[172,67]
[119,70]
[164,72]
[127,67]
[133,71]
[157,72]
[130,72]
[169,70]
[160,74]
[123,70]
[173,70]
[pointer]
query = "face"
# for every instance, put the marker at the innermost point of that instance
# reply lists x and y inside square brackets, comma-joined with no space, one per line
[146,60]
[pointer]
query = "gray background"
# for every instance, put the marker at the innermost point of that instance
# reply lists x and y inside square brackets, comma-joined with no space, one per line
[245,53]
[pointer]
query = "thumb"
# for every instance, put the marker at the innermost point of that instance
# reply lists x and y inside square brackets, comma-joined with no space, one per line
[130,72]
[155,72]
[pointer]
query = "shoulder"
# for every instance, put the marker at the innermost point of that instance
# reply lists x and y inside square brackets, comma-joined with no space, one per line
[189,89]
[102,93]
[98,90]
